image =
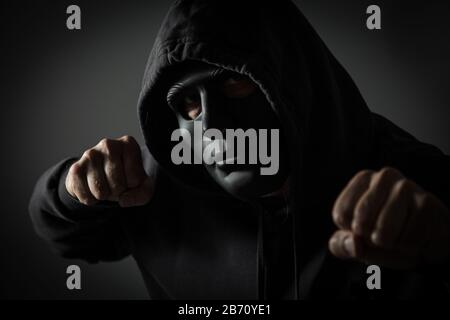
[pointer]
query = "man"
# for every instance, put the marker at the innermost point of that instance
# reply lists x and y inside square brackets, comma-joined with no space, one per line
[351,189]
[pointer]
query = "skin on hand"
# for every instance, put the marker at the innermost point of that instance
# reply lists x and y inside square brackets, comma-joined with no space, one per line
[386,219]
[112,170]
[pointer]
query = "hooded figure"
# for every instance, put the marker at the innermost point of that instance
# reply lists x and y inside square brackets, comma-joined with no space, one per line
[198,240]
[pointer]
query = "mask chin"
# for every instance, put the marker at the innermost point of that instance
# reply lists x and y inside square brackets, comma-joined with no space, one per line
[247,183]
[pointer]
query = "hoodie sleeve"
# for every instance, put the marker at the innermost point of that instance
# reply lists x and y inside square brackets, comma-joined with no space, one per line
[73,229]
[420,162]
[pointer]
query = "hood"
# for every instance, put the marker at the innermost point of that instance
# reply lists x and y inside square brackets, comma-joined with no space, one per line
[327,123]
[318,104]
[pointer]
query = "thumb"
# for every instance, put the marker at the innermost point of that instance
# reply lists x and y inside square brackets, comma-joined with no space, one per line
[138,196]
[343,244]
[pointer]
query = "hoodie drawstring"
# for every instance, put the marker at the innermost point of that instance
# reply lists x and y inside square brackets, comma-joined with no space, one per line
[294,245]
[261,259]
[261,263]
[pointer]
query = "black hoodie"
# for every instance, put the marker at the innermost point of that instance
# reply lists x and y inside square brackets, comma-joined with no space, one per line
[193,241]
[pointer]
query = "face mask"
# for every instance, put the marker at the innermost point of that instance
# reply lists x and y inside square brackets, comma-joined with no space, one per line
[208,99]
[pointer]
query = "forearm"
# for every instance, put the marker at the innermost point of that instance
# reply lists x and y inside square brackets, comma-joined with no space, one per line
[73,229]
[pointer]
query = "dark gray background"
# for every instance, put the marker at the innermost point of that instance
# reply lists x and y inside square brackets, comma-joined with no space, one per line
[62,91]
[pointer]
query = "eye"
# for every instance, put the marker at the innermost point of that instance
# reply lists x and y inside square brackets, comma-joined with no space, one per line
[238,87]
[191,106]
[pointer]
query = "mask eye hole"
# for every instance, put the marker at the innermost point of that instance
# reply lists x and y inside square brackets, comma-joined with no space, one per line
[238,87]
[190,106]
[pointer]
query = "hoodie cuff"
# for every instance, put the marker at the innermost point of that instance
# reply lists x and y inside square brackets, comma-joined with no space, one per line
[77,211]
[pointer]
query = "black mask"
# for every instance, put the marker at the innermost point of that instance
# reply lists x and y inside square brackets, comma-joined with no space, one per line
[216,98]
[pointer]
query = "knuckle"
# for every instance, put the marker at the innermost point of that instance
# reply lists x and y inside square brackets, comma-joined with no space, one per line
[107,146]
[103,142]
[128,139]
[91,154]
[385,173]
[364,173]
[77,169]
[389,171]
[403,186]
[388,174]
[423,202]
[111,169]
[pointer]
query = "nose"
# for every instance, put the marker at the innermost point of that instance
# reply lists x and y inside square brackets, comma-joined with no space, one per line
[215,114]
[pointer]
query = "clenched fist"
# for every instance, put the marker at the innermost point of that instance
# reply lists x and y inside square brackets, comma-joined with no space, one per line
[386,219]
[112,170]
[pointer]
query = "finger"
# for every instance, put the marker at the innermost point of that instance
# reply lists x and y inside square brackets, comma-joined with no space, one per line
[113,167]
[412,239]
[393,215]
[78,183]
[138,196]
[96,178]
[345,203]
[132,162]
[417,233]
[342,244]
[371,202]
[345,245]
